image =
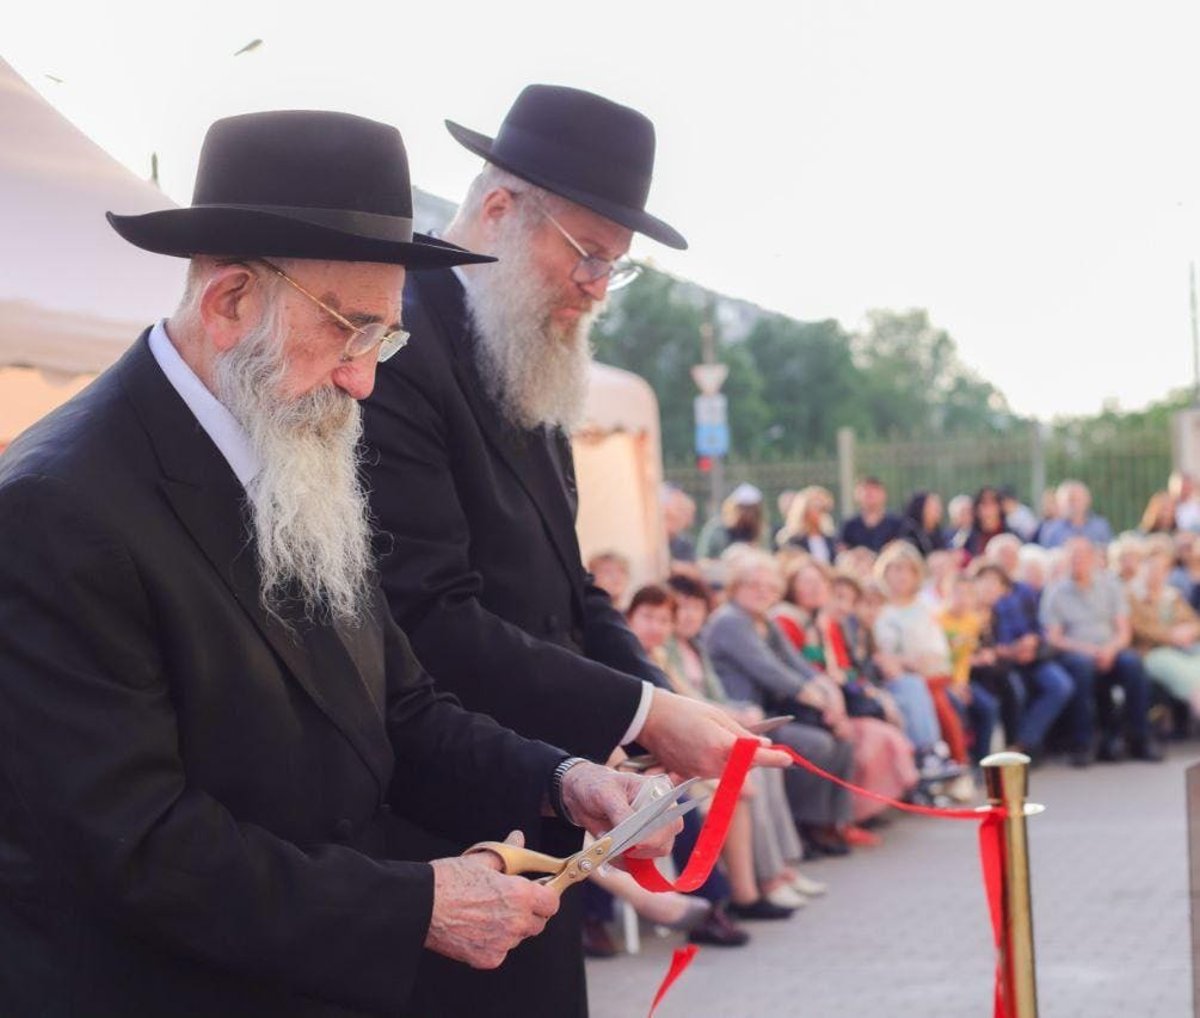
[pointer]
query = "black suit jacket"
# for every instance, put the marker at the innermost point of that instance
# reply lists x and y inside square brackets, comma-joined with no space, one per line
[479,556]
[482,568]
[198,805]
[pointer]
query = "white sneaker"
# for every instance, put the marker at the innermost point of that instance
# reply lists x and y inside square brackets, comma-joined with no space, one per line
[807,886]
[785,896]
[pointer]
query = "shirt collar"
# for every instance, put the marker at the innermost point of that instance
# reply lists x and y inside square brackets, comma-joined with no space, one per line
[211,414]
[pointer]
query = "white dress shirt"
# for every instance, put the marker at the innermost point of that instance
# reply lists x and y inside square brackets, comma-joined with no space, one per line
[212,415]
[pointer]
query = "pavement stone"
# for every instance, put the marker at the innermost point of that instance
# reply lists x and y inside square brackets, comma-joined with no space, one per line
[904,930]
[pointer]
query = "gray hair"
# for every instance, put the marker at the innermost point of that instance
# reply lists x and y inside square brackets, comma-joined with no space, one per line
[486,181]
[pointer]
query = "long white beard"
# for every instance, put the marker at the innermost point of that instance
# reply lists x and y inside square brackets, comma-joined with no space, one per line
[535,369]
[309,513]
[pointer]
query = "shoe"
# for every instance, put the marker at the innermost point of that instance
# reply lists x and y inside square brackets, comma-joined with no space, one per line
[937,768]
[821,841]
[597,941]
[786,896]
[1110,750]
[859,837]
[1080,758]
[807,886]
[876,822]
[1146,750]
[759,909]
[718,930]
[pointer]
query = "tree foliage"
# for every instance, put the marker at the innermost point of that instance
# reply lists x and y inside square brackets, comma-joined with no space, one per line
[793,384]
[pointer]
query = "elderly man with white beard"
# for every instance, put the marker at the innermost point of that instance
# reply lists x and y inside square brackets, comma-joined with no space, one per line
[213,737]
[472,484]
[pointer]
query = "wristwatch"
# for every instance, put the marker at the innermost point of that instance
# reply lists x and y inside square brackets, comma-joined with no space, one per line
[556,780]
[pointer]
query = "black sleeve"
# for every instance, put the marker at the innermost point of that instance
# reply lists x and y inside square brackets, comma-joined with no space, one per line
[474,780]
[537,688]
[90,764]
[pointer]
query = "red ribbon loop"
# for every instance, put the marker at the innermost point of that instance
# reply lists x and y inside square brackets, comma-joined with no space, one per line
[716,828]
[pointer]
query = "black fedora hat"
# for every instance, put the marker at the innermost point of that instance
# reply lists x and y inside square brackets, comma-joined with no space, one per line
[297,184]
[581,146]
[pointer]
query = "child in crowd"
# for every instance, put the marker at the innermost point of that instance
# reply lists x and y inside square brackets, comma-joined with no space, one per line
[965,626]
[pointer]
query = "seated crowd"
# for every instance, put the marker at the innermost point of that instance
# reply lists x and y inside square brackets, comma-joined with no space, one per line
[904,649]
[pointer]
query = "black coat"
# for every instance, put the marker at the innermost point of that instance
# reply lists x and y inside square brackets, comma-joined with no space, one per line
[198,805]
[482,569]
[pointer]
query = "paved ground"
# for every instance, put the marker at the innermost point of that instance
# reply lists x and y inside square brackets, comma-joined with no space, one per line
[904,931]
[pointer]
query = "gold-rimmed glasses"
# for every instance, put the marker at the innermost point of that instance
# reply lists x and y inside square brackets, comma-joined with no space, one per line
[363,338]
[592,268]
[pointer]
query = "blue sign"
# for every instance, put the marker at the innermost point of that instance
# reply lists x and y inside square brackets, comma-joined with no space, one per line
[712,439]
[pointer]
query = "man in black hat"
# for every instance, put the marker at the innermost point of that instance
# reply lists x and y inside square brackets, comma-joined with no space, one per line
[212,734]
[472,483]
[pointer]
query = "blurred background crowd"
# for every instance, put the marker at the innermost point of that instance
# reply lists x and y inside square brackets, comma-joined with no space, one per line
[905,646]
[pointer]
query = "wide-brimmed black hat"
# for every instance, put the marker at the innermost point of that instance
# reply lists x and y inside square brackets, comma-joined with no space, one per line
[297,184]
[581,146]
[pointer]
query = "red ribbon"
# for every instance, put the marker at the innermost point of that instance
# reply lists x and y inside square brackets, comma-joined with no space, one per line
[680,960]
[716,828]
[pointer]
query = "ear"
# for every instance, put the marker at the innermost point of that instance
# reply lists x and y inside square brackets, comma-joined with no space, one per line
[230,304]
[497,204]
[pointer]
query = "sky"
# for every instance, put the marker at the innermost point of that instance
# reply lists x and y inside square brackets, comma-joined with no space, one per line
[1029,172]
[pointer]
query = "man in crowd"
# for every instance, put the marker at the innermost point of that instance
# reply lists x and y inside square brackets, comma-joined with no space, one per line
[209,725]
[679,516]
[874,526]
[1086,618]
[474,489]
[1075,519]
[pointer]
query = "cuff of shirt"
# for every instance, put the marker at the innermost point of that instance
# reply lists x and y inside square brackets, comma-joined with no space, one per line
[639,717]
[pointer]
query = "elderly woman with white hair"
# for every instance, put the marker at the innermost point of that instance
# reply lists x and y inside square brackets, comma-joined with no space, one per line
[757,664]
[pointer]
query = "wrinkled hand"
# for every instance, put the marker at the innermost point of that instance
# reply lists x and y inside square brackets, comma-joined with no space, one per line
[479,915]
[694,738]
[598,799]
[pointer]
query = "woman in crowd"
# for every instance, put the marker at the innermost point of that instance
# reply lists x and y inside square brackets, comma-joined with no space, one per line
[651,617]
[1125,556]
[777,847]
[883,756]
[987,521]
[923,523]
[742,521]
[809,524]
[1159,516]
[1166,631]
[758,665]
[910,641]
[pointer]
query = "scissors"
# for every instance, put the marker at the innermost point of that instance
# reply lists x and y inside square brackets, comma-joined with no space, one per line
[662,808]
[645,761]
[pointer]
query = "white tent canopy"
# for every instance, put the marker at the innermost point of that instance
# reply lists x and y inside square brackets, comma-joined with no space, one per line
[73,295]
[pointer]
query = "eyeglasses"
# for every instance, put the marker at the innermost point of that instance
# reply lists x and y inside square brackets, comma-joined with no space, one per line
[363,338]
[592,268]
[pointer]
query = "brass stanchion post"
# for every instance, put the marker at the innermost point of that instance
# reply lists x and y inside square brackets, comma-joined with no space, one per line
[1007,778]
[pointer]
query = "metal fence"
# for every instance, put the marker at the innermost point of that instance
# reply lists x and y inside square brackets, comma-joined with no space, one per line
[1121,463]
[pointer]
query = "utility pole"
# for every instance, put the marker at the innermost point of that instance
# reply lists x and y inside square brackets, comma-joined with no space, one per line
[1195,337]
[712,418]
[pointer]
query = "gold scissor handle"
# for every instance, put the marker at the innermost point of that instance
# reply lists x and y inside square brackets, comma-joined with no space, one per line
[562,873]
[518,860]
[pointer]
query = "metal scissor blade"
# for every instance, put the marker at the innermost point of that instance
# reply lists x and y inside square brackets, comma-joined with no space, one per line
[629,830]
[671,815]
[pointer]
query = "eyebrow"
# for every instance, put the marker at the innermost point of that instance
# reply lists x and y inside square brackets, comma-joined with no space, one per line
[359,318]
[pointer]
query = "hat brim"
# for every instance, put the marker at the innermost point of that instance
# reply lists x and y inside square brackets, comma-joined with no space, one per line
[262,233]
[634,219]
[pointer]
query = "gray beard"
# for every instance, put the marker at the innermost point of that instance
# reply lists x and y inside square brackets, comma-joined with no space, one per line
[535,371]
[308,512]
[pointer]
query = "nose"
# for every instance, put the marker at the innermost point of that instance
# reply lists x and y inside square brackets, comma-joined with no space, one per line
[596,289]
[356,377]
